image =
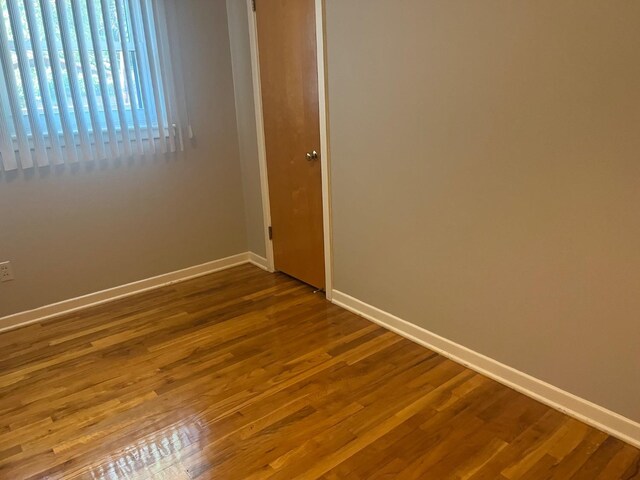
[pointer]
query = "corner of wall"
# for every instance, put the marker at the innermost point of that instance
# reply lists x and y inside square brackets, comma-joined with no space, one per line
[246,126]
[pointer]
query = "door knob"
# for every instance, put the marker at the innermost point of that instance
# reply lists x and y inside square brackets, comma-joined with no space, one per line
[312,156]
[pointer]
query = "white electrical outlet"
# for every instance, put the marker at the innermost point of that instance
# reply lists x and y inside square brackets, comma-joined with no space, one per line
[6,272]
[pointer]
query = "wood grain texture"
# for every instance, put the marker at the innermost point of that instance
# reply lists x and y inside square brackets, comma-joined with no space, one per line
[244,374]
[290,102]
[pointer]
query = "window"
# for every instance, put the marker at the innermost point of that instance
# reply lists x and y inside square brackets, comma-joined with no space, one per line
[85,80]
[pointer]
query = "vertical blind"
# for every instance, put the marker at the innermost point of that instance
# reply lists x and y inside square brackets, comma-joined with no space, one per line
[88,80]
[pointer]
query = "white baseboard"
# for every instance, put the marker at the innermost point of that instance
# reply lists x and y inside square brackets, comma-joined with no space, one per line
[66,306]
[599,417]
[259,261]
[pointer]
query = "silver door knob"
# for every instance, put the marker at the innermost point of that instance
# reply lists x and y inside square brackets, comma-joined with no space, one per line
[312,156]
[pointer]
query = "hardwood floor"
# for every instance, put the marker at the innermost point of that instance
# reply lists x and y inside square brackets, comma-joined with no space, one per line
[244,375]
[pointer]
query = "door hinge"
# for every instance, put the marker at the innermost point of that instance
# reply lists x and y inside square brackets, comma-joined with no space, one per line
[270,233]
[253,5]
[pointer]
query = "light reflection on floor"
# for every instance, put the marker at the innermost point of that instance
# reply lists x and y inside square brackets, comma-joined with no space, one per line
[150,456]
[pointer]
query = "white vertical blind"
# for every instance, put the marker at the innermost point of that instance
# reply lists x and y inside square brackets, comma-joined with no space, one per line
[115,69]
[151,58]
[102,75]
[14,100]
[125,38]
[27,83]
[6,149]
[141,57]
[165,70]
[176,70]
[88,79]
[41,72]
[56,72]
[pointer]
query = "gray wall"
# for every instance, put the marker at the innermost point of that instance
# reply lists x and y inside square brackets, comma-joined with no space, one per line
[486,179]
[72,231]
[245,108]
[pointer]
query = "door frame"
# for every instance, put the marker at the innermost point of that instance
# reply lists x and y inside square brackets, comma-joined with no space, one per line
[325,161]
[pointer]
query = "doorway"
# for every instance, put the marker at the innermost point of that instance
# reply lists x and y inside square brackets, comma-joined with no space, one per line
[288,66]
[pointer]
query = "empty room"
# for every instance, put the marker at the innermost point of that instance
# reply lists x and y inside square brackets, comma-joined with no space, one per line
[319,239]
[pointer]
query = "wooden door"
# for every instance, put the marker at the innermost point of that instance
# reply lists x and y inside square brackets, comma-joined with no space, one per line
[289,79]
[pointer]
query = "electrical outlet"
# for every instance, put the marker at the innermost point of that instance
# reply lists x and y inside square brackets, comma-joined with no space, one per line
[6,272]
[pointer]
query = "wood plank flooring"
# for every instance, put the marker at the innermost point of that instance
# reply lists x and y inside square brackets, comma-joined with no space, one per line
[248,375]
